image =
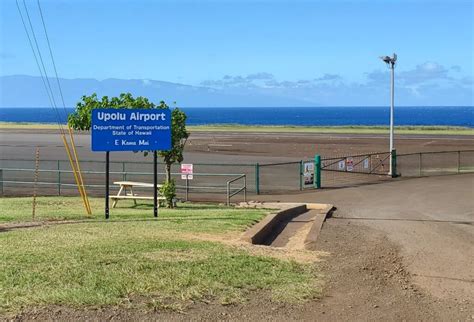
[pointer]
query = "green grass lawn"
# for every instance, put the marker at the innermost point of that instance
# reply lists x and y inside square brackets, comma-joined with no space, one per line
[205,217]
[427,130]
[136,260]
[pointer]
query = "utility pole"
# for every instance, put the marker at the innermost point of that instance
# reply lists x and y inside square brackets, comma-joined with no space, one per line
[390,61]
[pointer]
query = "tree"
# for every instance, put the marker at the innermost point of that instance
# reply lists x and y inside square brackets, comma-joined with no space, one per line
[81,120]
[179,135]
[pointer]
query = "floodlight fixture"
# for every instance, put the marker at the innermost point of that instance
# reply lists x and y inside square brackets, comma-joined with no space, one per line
[390,61]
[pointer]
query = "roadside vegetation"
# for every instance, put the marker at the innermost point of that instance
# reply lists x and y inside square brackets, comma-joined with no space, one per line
[419,130]
[355,129]
[135,260]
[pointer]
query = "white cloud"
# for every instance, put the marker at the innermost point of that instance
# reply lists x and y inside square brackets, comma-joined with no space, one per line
[328,77]
[420,85]
[428,71]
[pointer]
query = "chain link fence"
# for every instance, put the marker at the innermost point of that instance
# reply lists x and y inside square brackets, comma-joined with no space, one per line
[435,163]
[56,177]
[345,171]
[278,177]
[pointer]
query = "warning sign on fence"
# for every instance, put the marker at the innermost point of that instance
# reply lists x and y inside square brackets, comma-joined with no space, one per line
[366,163]
[341,165]
[186,171]
[308,173]
[350,164]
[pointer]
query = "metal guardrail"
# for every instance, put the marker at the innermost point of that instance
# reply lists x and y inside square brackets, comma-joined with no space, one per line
[243,188]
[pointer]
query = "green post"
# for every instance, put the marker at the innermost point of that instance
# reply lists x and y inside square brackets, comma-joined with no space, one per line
[301,175]
[1,182]
[394,163]
[257,178]
[317,171]
[124,176]
[59,178]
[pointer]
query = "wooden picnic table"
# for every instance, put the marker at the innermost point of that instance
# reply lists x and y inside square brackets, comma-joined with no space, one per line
[126,187]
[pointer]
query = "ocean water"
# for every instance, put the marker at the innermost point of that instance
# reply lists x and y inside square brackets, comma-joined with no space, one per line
[302,116]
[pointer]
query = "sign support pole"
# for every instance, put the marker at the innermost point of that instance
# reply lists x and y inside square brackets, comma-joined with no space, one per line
[155,184]
[107,170]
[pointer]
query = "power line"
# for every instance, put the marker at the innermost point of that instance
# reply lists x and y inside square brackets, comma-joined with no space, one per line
[48,92]
[55,106]
[74,163]
[52,57]
[34,53]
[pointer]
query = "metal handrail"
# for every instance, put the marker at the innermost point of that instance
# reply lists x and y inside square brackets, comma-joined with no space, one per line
[279,163]
[244,188]
[354,156]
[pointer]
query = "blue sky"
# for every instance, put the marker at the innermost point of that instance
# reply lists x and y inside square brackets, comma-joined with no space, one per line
[319,51]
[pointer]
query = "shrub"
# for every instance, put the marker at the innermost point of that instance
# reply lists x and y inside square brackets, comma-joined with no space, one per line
[168,190]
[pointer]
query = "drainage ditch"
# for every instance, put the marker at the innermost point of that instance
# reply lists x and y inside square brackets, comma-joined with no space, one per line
[285,232]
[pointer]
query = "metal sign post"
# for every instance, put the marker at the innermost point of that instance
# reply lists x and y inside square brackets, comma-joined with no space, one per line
[107,172]
[187,174]
[155,184]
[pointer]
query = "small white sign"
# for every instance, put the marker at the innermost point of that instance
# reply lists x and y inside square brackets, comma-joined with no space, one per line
[308,173]
[366,163]
[350,164]
[341,165]
[186,171]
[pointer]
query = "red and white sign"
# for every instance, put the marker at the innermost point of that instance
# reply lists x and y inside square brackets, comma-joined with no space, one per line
[350,164]
[187,171]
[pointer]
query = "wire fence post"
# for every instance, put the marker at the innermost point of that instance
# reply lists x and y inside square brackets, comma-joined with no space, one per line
[124,175]
[301,175]
[187,188]
[35,182]
[421,164]
[394,163]
[257,178]
[459,161]
[245,189]
[59,178]
[317,171]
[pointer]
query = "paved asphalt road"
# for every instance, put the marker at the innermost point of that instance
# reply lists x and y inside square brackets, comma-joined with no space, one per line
[431,219]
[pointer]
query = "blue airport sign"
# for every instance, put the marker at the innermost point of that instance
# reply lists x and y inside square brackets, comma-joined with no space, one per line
[131,129]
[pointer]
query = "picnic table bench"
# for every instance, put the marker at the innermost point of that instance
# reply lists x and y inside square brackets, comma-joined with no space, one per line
[126,187]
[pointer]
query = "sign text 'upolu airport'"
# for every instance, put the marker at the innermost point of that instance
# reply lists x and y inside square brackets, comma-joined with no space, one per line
[131,129]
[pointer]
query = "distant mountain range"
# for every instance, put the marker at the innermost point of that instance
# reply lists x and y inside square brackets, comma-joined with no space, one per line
[28,91]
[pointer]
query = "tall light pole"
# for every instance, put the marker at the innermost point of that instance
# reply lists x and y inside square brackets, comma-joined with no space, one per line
[390,61]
